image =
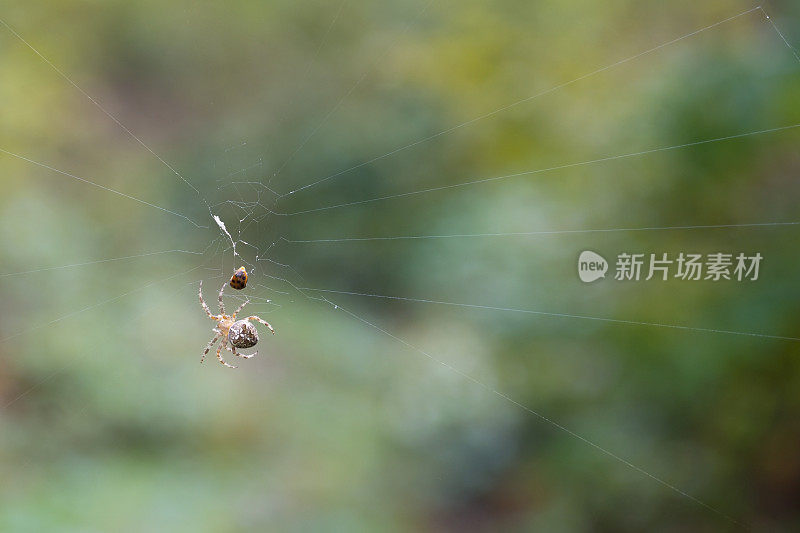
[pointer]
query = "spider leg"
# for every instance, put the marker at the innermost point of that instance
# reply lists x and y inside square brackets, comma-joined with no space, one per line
[240,308]
[261,320]
[203,303]
[208,346]
[232,349]
[224,344]
[222,305]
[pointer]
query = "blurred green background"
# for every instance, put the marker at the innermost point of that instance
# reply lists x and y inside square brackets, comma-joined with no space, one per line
[108,422]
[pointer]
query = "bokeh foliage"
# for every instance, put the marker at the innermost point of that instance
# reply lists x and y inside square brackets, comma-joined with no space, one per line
[107,422]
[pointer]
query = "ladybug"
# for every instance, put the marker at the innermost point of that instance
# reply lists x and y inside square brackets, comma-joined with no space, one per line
[239,279]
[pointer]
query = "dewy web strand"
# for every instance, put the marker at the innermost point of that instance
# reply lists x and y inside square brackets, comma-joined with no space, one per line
[780,34]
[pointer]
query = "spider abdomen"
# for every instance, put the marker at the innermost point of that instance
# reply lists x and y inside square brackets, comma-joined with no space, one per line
[243,334]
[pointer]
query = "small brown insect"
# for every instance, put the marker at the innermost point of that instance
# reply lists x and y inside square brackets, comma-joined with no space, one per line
[239,279]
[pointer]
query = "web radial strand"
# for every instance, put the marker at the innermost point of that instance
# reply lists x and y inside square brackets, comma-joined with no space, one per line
[519,102]
[102,109]
[539,233]
[304,291]
[99,186]
[560,315]
[545,170]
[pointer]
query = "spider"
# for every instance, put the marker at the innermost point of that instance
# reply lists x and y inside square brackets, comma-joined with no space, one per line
[240,333]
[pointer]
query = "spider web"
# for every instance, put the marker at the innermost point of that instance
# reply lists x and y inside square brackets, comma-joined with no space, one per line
[256,215]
